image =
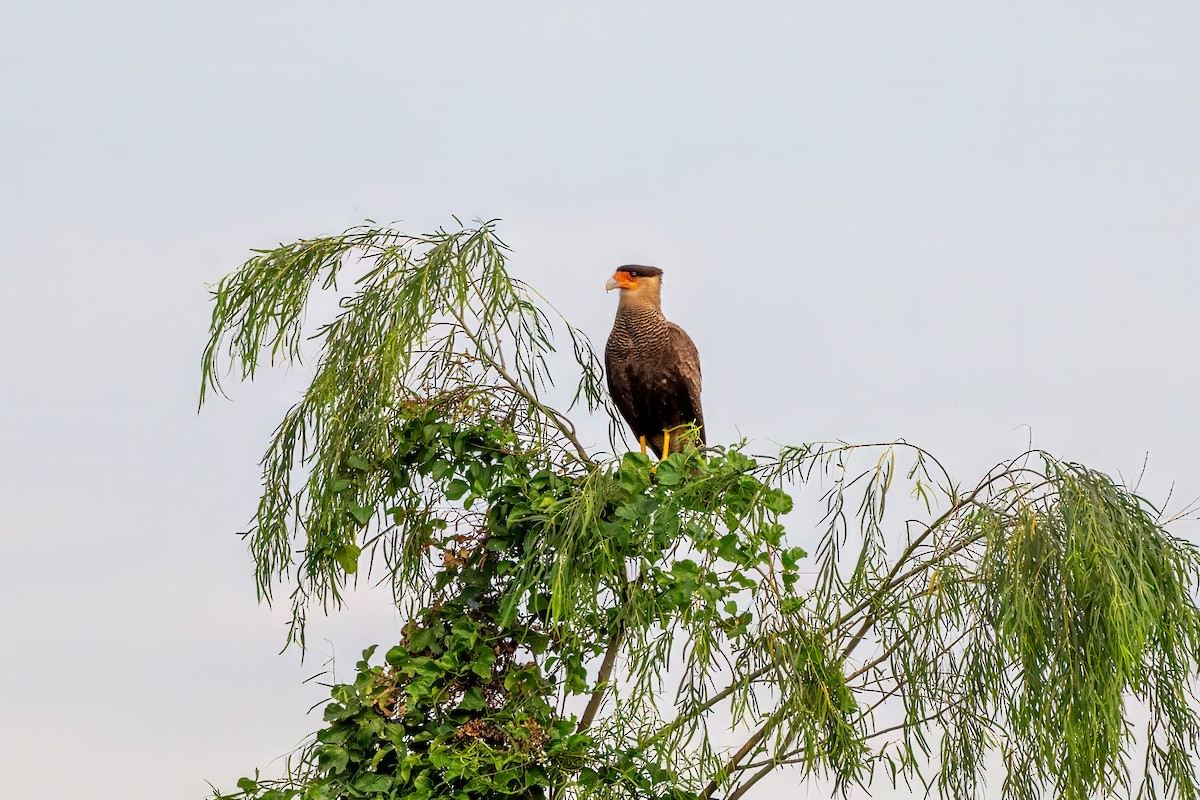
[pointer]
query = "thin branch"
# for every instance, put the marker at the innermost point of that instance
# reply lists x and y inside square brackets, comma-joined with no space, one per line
[755,778]
[894,579]
[606,668]
[741,754]
[886,584]
[556,418]
[789,757]
[868,667]
[912,723]
[714,700]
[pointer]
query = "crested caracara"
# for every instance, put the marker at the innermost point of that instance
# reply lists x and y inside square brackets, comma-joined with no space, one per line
[652,365]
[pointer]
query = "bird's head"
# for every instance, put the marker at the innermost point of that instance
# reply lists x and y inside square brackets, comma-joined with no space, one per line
[636,282]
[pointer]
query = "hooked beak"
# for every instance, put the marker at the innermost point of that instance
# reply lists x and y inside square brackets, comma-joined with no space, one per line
[621,280]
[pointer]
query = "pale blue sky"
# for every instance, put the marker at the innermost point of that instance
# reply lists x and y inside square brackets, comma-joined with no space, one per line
[943,221]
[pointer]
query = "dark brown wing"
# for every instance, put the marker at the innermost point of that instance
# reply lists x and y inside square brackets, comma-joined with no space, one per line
[657,392]
[687,360]
[623,388]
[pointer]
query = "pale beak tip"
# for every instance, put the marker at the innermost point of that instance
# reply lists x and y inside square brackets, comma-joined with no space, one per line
[612,284]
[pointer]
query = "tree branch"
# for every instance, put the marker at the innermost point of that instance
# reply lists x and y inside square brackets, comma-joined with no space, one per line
[894,578]
[606,668]
[556,418]
[712,701]
[741,754]
[755,778]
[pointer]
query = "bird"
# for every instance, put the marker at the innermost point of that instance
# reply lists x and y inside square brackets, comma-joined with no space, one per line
[652,365]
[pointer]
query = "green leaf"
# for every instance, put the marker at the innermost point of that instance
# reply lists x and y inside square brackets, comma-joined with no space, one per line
[793,556]
[482,665]
[456,488]
[332,758]
[778,501]
[472,699]
[247,785]
[384,751]
[422,639]
[634,473]
[347,557]
[372,782]
[335,711]
[729,549]
[668,473]
[337,734]
[362,514]
[354,462]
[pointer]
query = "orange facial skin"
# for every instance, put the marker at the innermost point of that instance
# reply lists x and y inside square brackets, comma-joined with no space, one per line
[622,280]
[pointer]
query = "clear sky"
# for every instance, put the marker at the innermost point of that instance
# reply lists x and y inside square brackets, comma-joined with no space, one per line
[952,222]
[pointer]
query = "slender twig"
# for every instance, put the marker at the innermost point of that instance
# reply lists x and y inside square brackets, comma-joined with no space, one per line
[606,668]
[714,700]
[741,754]
[755,778]
[911,723]
[894,578]
[891,580]
[886,584]
[868,667]
[899,580]
[941,652]
[556,418]
[790,756]
[886,696]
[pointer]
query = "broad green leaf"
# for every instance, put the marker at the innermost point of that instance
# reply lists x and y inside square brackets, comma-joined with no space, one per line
[372,783]
[347,557]
[472,699]
[332,758]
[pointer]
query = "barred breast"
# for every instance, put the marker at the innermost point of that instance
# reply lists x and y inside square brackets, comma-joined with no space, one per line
[641,330]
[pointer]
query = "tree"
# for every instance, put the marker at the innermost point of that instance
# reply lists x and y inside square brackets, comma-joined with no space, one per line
[579,620]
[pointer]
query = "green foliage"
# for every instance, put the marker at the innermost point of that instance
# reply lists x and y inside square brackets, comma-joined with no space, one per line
[1090,597]
[579,621]
[431,325]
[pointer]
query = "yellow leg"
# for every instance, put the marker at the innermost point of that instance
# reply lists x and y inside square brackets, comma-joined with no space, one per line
[666,451]
[642,442]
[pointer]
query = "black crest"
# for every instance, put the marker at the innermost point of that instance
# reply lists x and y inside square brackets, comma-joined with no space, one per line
[639,271]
